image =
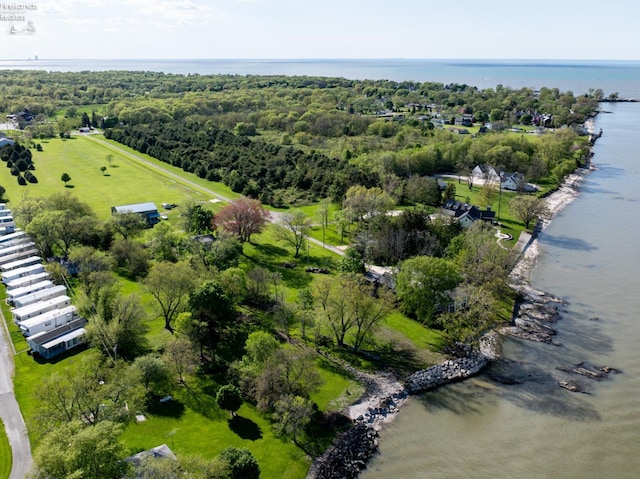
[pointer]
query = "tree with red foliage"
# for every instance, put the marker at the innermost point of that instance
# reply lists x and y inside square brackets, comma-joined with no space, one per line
[243,218]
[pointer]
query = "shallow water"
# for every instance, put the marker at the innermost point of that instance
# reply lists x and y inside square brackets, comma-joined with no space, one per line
[535,429]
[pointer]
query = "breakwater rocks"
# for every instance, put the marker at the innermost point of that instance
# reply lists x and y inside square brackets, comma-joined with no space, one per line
[348,455]
[534,314]
[350,451]
[446,372]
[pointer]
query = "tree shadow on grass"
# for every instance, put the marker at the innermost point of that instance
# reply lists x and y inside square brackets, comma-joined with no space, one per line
[69,186]
[172,408]
[245,428]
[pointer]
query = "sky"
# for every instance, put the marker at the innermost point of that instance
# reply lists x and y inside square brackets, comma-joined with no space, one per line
[296,29]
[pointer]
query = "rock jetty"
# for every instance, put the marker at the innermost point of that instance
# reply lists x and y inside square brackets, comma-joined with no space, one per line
[446,372]
[348,455]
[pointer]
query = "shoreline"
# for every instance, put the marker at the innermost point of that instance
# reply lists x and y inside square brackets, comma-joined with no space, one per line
[385,395]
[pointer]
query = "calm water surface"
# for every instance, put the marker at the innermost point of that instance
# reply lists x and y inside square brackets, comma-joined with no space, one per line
[535,429]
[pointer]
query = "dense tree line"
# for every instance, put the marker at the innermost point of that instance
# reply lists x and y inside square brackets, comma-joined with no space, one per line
[251,167]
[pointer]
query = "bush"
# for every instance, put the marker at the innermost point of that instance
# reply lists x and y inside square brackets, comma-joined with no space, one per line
[22,181]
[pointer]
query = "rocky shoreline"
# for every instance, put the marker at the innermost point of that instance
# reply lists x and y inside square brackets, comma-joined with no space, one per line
[534,314]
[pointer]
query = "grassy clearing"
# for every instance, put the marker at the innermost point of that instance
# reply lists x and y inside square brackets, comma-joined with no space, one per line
[5,454]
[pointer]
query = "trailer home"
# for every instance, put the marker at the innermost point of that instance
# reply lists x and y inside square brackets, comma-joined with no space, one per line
[15,236]
[57,341]
[20,263]
[16,248]
[48,321]
[28,289]
[42,295]
[26,280]
[32,310]
[19,255]
[20,272]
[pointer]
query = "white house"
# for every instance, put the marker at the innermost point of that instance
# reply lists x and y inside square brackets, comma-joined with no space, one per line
[486,173]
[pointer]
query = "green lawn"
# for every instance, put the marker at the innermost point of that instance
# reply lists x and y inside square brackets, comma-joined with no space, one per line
[5,454]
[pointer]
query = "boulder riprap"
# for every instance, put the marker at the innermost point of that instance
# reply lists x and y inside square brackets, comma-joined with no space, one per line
[348,455]
[445,372]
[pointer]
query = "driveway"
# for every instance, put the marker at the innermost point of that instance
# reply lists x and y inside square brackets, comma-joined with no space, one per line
[10,411]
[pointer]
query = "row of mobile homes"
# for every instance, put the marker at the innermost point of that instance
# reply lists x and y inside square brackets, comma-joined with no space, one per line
[20,263]
[27,289]
[16,248]
[7,225]
[26,280]
[16,236]
[19,255]
[47,321]
[34,309]
[24,271]
[42,295]
[52,343]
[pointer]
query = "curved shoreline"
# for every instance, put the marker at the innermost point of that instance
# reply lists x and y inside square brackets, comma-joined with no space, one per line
[350,452]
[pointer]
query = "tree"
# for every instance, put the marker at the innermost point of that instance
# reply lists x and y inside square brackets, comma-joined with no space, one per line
[292,414]
[80,452]
[65,178]
[127,224]
[469,322]
[130,256]
[93,391]
[286,371]
[243,218]
[363,203]
[196,219]
[181,358]
[422,284]
[170,285]
[3,190]
[165,243]
[242,464]
[352,262]
[527,208]
[212,309]
[103,169]
[293,229]
[323,213]
[153,371]
[229,398]
[123,330]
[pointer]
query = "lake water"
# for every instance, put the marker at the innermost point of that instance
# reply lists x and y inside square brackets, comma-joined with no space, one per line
[535,429]
[577,76]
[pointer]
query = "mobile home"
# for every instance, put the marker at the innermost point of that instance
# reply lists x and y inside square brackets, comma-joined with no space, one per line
[48,321]
[24,271]
[16,248]
[42,295]
[20,263]
[57,341]
[28,289]
[19,255]
[32,310]
[16,236]
[26,280]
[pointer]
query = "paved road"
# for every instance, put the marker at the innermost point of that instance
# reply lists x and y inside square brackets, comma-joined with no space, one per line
[10,411]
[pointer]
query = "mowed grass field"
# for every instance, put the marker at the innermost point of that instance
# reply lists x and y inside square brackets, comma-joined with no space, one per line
[124,182]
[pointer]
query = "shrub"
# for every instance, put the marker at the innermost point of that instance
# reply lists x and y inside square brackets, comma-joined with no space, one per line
[22,181]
